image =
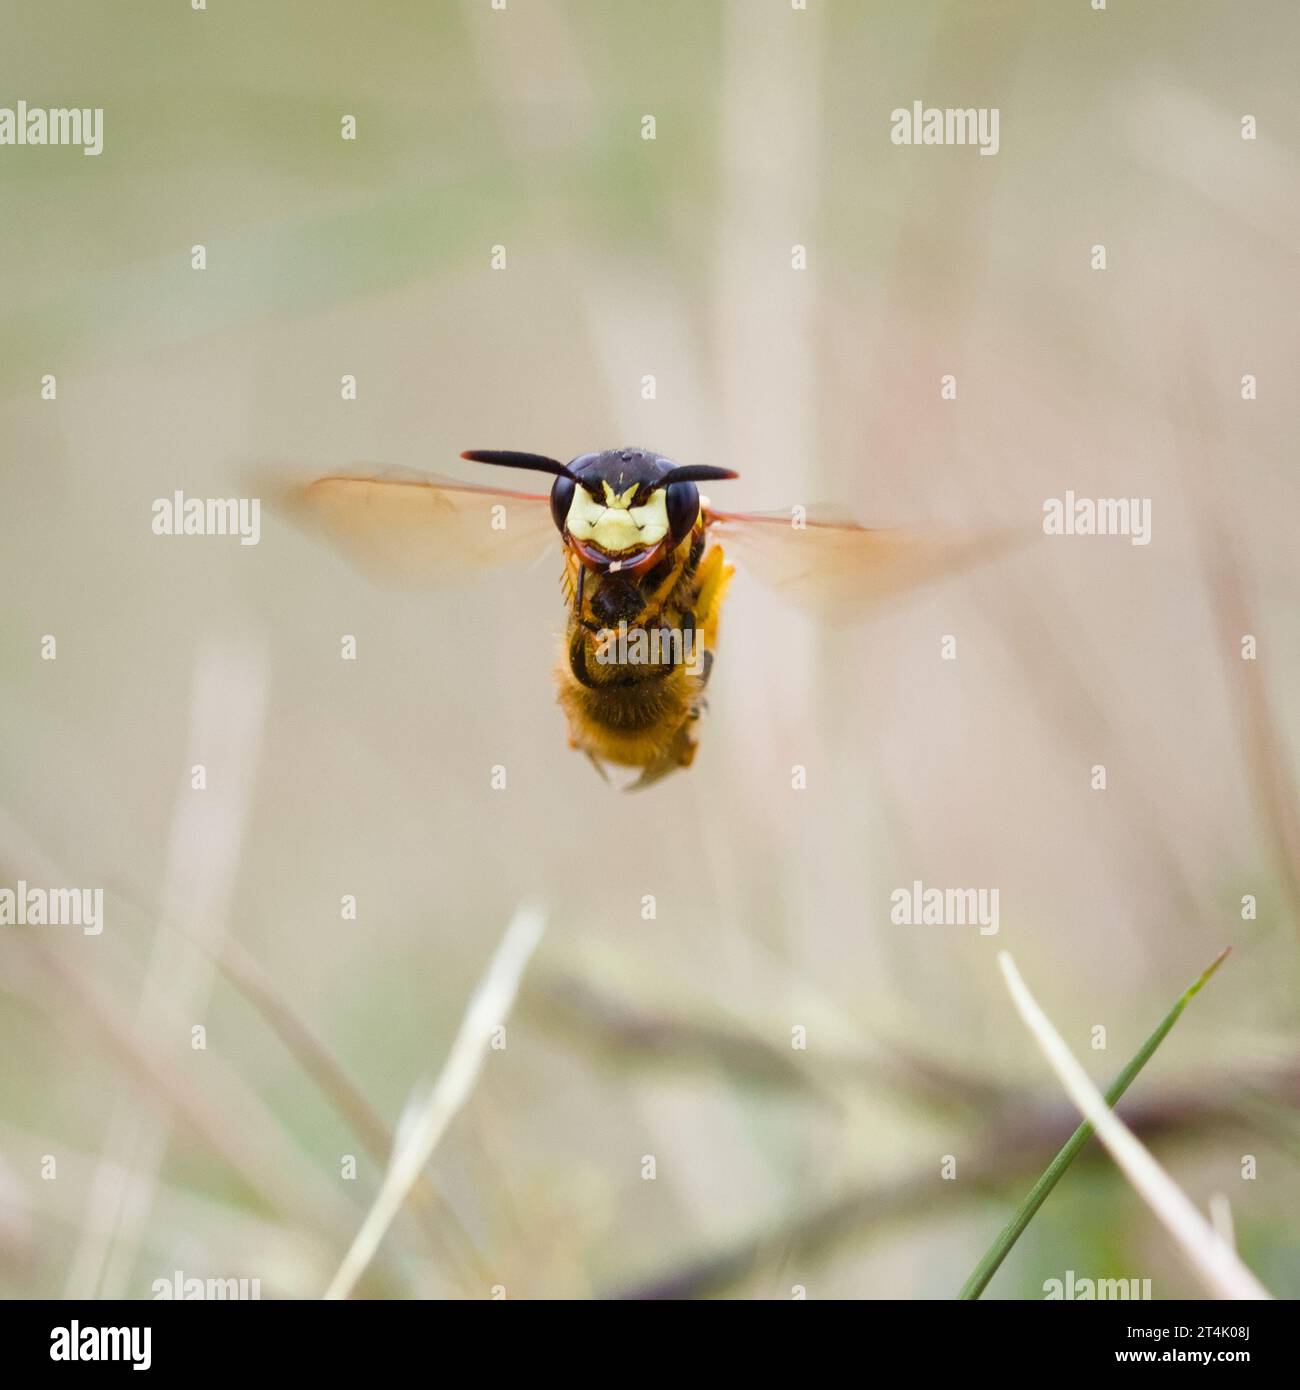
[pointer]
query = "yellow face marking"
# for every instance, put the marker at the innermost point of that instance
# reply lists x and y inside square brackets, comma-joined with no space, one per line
[615,525]
[618,499]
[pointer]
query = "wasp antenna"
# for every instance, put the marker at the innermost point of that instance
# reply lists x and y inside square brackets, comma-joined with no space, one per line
[695,473]
[511,458]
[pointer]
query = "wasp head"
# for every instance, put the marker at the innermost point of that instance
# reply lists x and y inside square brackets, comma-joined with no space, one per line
[620,510]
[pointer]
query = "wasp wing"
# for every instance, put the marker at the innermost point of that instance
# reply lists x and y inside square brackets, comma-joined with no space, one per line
[421,530]
[840,569]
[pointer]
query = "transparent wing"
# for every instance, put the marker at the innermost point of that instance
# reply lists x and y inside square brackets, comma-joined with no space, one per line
[420,530]
[841,570]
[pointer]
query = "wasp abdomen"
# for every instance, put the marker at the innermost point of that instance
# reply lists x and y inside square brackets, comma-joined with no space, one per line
[632,683]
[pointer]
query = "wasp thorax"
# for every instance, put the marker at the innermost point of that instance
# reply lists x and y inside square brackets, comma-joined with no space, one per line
[616,600]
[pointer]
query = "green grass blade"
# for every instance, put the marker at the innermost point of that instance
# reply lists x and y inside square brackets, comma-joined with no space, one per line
[1010,1233]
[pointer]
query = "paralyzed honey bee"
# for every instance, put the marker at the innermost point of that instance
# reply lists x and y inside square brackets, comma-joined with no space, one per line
[644,575]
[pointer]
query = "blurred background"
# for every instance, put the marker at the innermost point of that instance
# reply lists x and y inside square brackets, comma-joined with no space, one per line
[775,1168]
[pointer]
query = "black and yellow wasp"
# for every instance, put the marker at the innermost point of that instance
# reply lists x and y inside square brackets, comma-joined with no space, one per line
[644,579]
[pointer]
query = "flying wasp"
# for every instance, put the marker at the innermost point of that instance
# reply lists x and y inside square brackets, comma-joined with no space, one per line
[644,574]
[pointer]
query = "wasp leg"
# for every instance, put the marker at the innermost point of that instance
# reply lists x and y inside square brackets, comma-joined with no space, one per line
[699,704]
[652,774]
[689,633]
[680,754]
[578,661]
[578,602]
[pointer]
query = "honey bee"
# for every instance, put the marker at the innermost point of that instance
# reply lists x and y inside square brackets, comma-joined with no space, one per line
[644,575]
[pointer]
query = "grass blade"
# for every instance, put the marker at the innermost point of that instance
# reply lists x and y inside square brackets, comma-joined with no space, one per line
[419,1137]
[1011,1232]
[1216,1264]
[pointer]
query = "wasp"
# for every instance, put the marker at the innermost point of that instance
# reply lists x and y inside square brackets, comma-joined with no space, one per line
[644,575]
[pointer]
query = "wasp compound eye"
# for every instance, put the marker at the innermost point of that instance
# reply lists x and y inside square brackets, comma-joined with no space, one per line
[561,500]
[683,503]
